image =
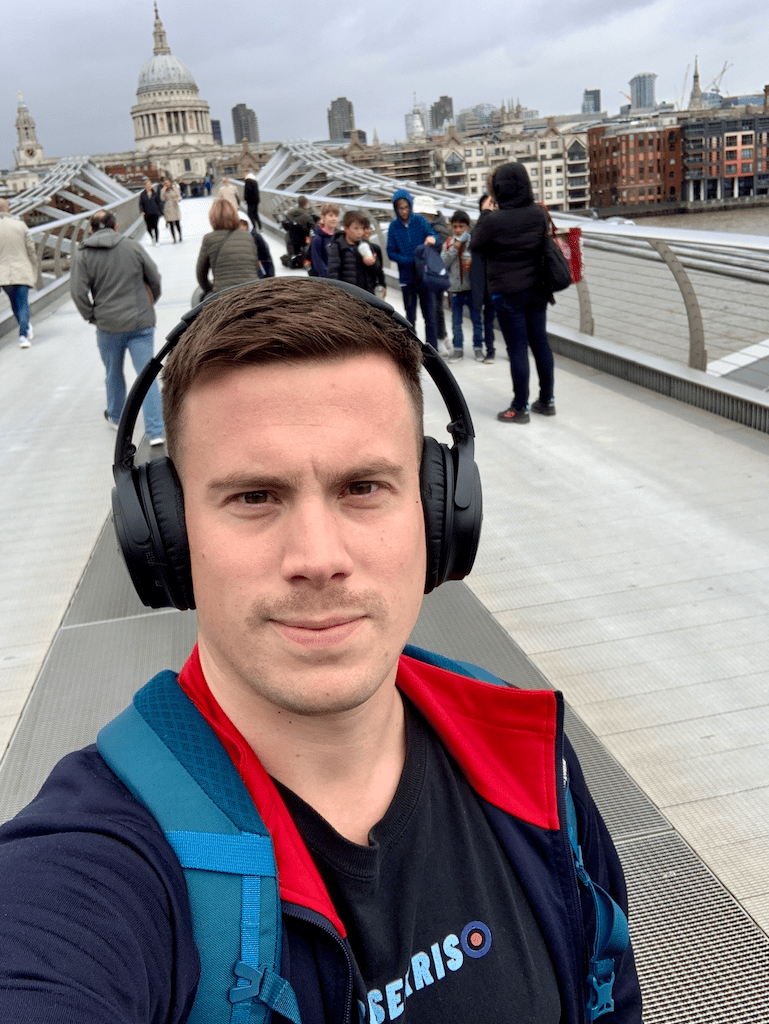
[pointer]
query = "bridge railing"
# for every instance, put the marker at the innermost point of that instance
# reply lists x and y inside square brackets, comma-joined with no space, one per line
[688,296]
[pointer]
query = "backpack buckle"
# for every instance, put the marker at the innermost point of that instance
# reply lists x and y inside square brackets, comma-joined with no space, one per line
[600,1000]
[254,976]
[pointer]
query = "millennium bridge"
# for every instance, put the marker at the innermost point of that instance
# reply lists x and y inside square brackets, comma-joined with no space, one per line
[624,558]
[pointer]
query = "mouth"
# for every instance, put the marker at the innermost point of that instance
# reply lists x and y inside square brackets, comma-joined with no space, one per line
[321,632]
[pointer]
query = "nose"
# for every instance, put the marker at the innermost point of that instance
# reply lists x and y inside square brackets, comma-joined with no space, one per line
[316,545]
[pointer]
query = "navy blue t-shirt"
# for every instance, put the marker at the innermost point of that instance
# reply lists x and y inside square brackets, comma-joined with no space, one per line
[438,925]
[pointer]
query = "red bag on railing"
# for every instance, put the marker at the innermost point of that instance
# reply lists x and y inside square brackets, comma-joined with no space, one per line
[568,242]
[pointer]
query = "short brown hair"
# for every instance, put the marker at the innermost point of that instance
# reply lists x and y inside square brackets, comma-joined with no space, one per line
[286,319]
[353,217]
[329,208]
[223,216]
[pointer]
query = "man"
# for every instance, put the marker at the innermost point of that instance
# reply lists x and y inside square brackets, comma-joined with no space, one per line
[324,232]
[405,233]
[151,207]
[294,418]
[18,269]
[115,286]
[299,226]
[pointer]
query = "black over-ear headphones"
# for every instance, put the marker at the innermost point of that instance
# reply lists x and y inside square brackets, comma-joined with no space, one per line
[148,503]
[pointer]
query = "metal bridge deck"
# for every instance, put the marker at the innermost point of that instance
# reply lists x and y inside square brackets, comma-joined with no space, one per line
[624,559]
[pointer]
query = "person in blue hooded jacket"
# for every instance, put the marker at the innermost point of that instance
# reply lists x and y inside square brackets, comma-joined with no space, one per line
[407,231]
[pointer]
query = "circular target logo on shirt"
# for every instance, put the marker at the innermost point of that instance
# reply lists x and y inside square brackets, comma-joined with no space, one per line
[475,939]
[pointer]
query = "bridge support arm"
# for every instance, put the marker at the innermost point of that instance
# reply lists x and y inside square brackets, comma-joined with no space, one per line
[698,357]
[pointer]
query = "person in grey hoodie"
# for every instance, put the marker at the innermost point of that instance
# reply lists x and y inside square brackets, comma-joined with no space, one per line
[115,286]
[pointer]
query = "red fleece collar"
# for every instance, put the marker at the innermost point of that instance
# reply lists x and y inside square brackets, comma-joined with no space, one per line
[503,739]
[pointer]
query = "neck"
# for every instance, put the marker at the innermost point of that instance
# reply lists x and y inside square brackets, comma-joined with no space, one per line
[346,765]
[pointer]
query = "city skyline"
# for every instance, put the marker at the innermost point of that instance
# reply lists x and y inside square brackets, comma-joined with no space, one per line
[80,93]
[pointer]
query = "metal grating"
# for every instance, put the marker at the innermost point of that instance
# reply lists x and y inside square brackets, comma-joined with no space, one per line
[700,958]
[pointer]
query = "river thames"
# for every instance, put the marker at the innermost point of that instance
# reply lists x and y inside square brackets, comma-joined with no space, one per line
[744,222]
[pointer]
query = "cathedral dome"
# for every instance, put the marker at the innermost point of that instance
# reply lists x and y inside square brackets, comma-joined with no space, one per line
[164,71]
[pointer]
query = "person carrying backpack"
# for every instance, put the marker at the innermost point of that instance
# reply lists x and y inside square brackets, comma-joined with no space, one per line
[406,232]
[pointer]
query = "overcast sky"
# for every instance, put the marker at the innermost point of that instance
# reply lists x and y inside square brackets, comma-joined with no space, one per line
[77,64]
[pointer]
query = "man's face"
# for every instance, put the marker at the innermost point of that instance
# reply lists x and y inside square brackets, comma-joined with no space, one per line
[328,221]
[306,531]
[367,233]
[403,209]
[148,186]
[353,233]
[458,227]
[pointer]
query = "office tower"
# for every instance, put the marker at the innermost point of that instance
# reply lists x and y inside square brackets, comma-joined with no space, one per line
[244,123]
[440,112]
[341,118]
[642,91]
[216,131]
[591,101]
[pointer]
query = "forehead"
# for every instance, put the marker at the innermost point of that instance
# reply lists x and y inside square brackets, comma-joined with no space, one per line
[324,403]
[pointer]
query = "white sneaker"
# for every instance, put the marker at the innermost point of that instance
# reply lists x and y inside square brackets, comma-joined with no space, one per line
[30,333]
[24,341]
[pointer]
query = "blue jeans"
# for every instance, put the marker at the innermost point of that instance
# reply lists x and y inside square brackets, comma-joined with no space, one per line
[112,348]
[19,297]
[427,305]
[458,302]
[522,320]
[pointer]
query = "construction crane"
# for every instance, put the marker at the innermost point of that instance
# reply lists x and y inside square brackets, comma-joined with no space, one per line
[682,100]
[716,83]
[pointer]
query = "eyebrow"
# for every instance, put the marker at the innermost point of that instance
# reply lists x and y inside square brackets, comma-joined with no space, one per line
[243,482]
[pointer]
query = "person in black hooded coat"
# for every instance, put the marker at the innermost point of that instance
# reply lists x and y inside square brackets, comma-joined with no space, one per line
[511,240]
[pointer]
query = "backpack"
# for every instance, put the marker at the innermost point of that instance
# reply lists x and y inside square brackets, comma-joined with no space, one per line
[170,759]
[430,271]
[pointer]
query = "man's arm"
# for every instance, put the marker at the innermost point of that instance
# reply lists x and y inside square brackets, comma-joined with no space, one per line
[79,287]
[31,251]
[151,273]
[95,925]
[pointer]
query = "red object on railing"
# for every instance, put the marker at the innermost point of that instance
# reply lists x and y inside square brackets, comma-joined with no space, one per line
[569,243]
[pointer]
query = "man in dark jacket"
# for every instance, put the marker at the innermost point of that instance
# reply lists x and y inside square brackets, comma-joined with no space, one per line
[115,286]
[405,233]
[299,226]
[418,816]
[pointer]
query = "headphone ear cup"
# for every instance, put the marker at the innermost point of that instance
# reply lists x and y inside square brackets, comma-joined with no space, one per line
[163,500]
[436,478]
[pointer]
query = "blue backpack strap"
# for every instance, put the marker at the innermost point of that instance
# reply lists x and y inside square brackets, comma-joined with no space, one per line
[611,930]
[170,759]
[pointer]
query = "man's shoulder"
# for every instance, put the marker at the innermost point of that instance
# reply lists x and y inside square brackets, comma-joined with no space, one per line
[80,795]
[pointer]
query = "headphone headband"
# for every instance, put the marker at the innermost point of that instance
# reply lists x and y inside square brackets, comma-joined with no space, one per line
[148,504]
